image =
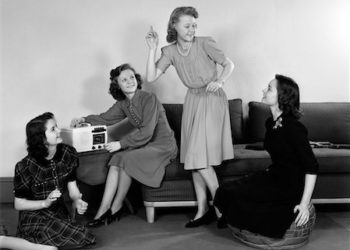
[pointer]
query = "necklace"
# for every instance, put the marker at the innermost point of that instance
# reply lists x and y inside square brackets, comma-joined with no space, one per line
[186,52]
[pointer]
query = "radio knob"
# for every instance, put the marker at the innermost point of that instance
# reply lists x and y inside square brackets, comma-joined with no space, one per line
[99,146]
[93,147]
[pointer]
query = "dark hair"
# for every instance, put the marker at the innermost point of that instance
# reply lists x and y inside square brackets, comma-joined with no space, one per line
[114,88]
[288,95]
[36,138]
[174,18]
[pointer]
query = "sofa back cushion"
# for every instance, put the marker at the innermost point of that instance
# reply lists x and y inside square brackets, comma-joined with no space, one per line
[328,121]
[174,115]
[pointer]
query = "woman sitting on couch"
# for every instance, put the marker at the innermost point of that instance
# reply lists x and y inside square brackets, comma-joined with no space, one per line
[146,151]
[268,202]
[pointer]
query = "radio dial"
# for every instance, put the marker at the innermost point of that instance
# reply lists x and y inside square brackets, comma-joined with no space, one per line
[93,147]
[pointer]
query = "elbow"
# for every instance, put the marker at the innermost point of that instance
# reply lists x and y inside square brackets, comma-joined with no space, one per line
[17,204]
[150,78]
[230,64]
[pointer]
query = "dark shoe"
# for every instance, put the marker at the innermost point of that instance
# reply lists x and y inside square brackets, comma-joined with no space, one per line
[206,219]
[129,206]
[221,223]
[100,221]
[116,216]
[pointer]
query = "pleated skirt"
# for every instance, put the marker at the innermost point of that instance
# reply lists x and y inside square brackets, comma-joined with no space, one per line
[205,132]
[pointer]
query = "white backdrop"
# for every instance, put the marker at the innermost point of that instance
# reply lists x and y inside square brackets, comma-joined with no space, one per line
[56,55]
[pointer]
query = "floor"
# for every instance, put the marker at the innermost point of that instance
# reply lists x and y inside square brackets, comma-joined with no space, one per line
[331,232]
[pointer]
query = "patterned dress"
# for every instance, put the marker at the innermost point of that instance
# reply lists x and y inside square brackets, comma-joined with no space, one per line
[263,202]
[205,131]
[35,180]
[150,147]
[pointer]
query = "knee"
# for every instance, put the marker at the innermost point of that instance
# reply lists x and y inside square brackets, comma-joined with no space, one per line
[114,169]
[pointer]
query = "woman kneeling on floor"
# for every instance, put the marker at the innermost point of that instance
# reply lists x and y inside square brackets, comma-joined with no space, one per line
[145,152]
[268,202]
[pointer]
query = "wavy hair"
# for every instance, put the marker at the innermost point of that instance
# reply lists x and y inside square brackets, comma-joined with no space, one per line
[36,138]
[174,18]
[114,88]
[288,96]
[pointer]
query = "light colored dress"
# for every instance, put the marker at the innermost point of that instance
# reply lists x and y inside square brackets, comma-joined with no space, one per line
[206,132]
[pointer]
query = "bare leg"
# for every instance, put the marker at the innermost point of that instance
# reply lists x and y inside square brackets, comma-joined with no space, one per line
[209,176]
[201,193]
[123,188]
[22,244]
[110,190]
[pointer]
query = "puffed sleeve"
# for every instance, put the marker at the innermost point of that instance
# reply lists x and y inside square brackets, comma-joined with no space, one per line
[211,48]
[297,134]
[113,115]
[164,61]
[22,181]
[150,114]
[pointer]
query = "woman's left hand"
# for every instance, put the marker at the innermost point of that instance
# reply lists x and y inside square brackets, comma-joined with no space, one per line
[303,215]
[80,205]
[214,86]
[113,146]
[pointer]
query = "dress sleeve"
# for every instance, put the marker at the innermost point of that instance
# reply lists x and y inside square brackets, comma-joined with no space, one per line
[22,181]
[297,134]
[215,54]
[73,164]
[164,61]
[113,115]
[150,114]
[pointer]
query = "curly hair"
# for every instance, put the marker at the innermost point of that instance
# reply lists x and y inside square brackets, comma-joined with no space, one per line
[36,138]
[288,96]
[114,88]
[174,18]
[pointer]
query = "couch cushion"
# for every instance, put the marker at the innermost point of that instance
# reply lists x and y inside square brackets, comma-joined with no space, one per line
[246,161]
[174,115]
[324,121]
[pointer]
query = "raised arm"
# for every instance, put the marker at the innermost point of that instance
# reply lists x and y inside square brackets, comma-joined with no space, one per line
[152,72]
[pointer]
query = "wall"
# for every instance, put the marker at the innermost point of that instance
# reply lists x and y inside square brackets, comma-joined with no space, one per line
[56,55]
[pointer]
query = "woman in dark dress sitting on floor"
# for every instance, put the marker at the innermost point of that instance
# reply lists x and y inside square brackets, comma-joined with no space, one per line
[40,179]
[268,202]
[142,154]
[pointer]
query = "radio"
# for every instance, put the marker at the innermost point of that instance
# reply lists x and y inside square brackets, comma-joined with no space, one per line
[85,138]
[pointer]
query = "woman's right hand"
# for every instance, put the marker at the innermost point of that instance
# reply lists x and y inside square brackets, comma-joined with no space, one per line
[75,123]
[53,196]
[152,39]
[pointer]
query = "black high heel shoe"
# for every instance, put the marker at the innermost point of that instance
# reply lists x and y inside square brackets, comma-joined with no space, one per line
[102,220]
[206,219]
[116,216]
[221,222]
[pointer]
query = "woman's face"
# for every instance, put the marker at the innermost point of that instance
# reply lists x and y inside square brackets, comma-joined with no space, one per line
[52,133]
[186,28]
[270,94]
[127,81]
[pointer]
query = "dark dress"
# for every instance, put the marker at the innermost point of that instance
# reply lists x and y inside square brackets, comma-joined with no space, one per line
[148,149]
[263,202]
[35,180]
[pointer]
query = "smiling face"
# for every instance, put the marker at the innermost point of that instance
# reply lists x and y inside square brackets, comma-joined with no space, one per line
[52,133]
[270,94]
[186,28]
[127,81]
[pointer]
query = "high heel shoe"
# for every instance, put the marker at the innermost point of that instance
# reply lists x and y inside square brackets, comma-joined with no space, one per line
[206,219]
[221,222]
[101,220]
[116,216]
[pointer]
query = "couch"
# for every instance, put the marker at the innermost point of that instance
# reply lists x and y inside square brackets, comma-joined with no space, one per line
[326,122]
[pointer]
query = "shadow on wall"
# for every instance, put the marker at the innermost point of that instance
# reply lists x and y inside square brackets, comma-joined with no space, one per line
[95,93]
